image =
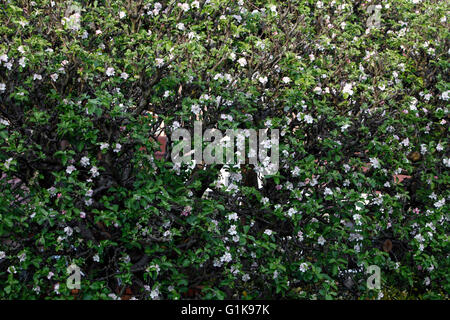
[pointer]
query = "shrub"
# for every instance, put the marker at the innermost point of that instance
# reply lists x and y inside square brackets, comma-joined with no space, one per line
[87,87]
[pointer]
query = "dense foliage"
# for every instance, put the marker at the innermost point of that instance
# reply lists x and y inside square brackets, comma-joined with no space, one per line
[86,86]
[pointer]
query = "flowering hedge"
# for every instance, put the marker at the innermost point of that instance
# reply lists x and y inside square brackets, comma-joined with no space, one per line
[86,88]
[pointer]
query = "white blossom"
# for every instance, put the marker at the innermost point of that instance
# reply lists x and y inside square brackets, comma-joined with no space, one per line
[344,127]
[321,240]
[226,257]
[440,203]
[263,80]
[22,62]
[286,80]
[85,161]
[159,62]
[184,6]
[318,90]
[70,169]
[94,171]
[3,58]
[273,8]
[242,62]
[405,142]
[446,162]
[308,119]
[291,212]
[117,148]
[232,230]
[303,267]
[348,89]
[195,108]
[375,163]
[110,72]
[154,294]
[104,145]
[68,231]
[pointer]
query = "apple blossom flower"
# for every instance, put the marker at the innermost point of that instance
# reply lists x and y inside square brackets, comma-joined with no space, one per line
[110,72]
[375,163]
[195,108]
[22,62]
[405,142]
[94,172]
[328,192]
[263,80]
[348,89]
[22,256]
[321,240]
[154,294]
[8,163]
[85,161]
[242,62]
[68,231]
[308,119]
[286,80]
[104,145]
[3,58]
[273,8]
[184,6]
[226,257]
[117,148]
[232,216]
[317,90]
[440,203]
[56,288]
[303,267]
[70,169]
